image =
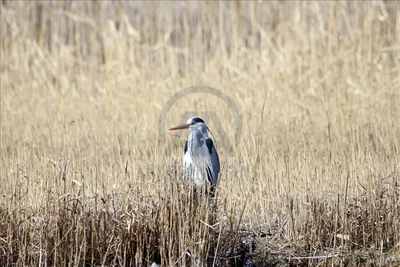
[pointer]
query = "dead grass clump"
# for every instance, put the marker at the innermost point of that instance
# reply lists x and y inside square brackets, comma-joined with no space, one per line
[359,232]
[181,227]
[173,229]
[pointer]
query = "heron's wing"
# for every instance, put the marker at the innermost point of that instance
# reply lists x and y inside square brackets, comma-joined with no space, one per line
[212,163]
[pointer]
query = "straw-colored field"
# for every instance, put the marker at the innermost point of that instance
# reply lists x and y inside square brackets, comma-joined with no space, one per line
[89,178]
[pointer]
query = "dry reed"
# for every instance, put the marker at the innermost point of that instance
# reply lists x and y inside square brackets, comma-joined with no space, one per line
[313,180]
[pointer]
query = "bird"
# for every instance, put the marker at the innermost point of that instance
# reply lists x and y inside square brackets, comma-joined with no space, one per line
[200,157]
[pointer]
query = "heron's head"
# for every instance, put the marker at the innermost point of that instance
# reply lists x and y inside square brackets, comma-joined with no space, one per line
[194,123]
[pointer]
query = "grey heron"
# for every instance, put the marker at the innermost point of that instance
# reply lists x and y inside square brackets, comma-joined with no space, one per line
[200,158]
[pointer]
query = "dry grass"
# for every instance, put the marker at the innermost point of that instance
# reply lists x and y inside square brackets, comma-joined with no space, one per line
[85,181]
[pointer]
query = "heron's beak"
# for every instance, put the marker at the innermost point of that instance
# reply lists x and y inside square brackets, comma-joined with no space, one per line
[182,126]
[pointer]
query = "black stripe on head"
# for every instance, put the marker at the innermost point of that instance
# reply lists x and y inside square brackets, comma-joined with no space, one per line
[196,119]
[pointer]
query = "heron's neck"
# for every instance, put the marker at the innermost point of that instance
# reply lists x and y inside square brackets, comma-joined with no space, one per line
[199,133]
[196,138]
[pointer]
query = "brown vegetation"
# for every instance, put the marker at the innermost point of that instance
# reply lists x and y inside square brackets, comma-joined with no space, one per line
[313,180]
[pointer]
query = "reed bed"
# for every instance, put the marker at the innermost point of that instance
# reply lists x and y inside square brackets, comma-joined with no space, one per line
[88,178]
